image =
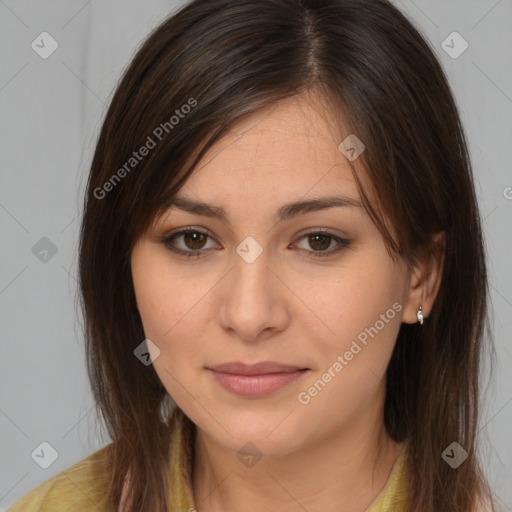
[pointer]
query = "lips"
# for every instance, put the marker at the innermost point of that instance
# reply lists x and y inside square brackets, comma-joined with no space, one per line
[256,380]
[263,368]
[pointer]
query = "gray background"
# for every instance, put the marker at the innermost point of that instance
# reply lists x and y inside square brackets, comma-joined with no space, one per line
[51,110]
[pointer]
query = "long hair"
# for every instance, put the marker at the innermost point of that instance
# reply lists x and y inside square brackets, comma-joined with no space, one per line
[205,68]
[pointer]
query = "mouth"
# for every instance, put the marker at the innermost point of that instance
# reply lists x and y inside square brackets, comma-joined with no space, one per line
[256,380]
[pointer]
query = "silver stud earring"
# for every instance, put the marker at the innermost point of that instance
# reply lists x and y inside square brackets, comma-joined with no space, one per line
[419,314]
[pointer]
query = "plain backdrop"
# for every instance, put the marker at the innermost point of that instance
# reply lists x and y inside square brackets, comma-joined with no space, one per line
[50,113]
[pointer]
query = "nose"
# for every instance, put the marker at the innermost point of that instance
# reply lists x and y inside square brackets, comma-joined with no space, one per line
[253,302]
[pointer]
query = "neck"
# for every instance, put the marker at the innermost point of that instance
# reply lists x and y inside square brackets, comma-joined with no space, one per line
[343,472]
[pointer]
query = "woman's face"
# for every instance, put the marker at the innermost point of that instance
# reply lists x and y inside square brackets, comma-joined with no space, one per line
[263,290]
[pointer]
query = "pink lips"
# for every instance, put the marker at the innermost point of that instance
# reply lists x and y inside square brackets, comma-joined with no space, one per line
[255,380]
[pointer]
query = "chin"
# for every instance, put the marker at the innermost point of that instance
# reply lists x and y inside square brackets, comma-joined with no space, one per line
[268,435]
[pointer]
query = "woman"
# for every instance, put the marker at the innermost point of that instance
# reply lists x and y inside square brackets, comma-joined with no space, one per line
[282,271]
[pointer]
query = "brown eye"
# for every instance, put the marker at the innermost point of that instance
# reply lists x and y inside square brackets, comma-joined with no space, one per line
[192,244]
[320,241]
[194,240]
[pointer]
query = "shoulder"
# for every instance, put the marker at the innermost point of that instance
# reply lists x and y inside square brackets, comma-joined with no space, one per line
[80,487]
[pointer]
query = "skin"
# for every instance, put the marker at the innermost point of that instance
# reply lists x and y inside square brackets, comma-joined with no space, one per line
[288,306]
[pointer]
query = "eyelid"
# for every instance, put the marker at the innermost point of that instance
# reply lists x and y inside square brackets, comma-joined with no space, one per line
[204,231]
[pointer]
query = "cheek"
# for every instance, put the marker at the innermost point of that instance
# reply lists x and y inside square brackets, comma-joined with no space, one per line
[170,308]
[362,308]
[352,373]
[163,317]
[351,299]
[165,299]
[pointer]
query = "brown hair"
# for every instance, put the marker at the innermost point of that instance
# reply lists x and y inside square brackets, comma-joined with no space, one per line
[233,57]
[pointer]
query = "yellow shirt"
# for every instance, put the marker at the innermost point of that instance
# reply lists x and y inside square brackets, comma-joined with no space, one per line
[81,487]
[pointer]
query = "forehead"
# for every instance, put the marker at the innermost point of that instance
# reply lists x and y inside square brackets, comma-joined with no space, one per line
[289,148]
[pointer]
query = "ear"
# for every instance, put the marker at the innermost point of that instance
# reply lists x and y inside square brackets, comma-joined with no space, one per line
[425,280]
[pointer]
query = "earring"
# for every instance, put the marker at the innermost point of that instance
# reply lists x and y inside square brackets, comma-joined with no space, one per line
[419,314]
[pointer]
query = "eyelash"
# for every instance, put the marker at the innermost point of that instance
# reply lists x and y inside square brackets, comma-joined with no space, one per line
[168,241]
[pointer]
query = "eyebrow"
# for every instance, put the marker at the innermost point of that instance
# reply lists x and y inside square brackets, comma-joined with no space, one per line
[285,212]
